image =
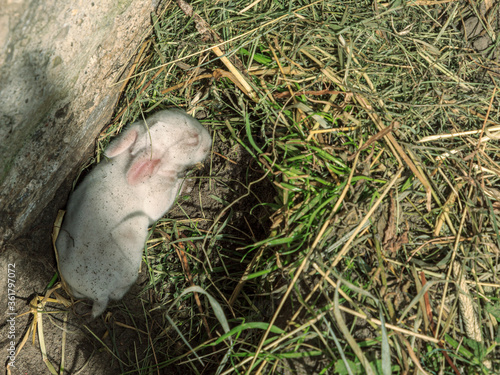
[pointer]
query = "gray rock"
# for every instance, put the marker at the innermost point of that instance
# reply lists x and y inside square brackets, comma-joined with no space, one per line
[59,61]
[479,37]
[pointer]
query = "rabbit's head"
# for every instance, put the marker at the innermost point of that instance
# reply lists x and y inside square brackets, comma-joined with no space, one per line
[171,142]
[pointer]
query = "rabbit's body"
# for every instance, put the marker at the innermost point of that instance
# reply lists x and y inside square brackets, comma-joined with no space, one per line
[102,237]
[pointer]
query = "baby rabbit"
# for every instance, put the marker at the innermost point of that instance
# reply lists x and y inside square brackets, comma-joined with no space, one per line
[106,224]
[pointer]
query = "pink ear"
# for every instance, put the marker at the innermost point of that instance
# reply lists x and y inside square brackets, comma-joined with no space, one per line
[121,144]
[141,170]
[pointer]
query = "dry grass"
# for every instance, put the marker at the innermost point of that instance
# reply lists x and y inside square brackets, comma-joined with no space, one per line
[375,247]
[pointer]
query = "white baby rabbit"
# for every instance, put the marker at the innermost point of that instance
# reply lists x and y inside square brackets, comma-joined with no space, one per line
[106,224]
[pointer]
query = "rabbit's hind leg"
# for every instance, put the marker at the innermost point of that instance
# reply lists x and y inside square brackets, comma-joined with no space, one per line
[99,306]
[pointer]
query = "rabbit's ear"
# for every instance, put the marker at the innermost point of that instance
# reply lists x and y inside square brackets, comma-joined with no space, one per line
[123,143]
[141,170]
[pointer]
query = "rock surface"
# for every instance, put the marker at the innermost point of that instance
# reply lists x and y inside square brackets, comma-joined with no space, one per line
[59,62]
